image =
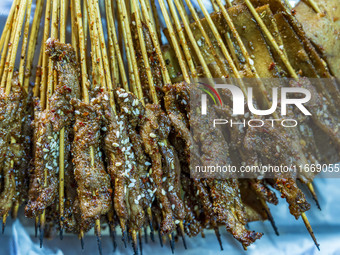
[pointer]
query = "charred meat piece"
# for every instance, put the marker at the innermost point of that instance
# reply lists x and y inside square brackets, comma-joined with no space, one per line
[44,181]
[150,141]
[64,59]
[170,161]
[259,144]
[92,180]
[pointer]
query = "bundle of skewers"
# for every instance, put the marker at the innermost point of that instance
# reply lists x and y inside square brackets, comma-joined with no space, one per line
[96,132]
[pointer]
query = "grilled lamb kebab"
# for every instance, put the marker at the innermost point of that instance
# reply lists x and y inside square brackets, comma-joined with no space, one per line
[224,194]
[93,183]
[13,155]
[48,124]
[123,167]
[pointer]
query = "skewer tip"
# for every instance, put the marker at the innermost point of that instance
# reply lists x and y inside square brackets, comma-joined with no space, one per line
[172,243]
[310,230]
[315,197]
[61,234]
[140,242]
[270,216]
[4,220]
[181,227]
[81,237]
[218,235]
[134,242]
[99,239]
[41,236]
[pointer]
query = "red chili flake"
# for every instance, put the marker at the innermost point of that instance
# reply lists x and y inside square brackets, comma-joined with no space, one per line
[81,124]
[271,66]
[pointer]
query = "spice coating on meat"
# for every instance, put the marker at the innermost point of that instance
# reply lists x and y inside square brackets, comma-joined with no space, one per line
[44,181]
[64,59]
[150,140]
[258,143]
[92,180]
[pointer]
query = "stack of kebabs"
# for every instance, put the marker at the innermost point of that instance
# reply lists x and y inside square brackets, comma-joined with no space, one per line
[103,136]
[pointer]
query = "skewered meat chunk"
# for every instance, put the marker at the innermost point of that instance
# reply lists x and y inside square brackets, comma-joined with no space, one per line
[170,161]
[323,29]
[44,182]
[123,168]
[64,59]
[258,142]
[48,123]
[150,141]
[92,180]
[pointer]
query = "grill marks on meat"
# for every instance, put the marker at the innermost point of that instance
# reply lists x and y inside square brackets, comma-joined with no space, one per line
[93,182]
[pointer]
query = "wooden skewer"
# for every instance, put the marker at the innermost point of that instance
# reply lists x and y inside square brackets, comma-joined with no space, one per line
[205,36]
[74,28]
[269,215]
[315,197]
[134,242]
[310,230]
[149,212]
[3,59]
[24,43]
[9,23]
[192,39]
[4,219]
[155,41]
[219,40]
[111,221]
[129,41]
[144,52]
[156,20]
[44,57]
[98,234]
[14,46]
[314,6]
[94,59]
[127,52]
[82,49]
[81,237]
[111,48]
[271,39]
[172,243]
[95,43]
[174,41]
[116,45]
[36,89]
[63,18]
[183,40]
[36,226]
[7,54]
[105,59]
[218,235]
[32,42]
[181,227]
[228,3]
